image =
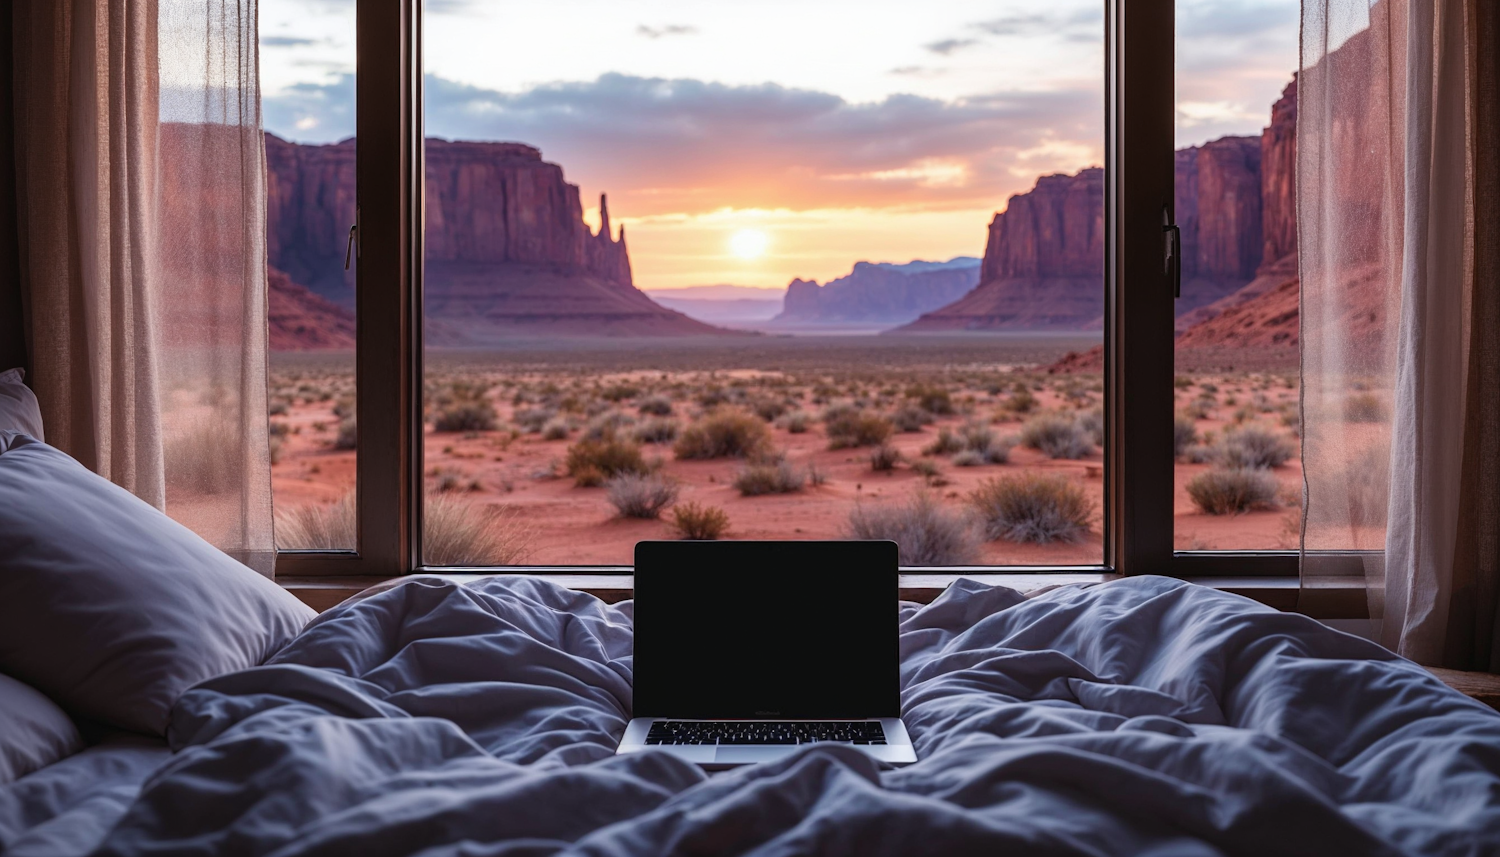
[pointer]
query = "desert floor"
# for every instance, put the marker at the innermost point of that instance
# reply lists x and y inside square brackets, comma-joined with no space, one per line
[565,391]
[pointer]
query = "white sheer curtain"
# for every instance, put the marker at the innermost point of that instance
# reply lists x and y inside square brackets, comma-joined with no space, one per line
[140,170]
[1395,327]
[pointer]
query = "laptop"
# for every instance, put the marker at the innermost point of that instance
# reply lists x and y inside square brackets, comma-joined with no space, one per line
[746,651]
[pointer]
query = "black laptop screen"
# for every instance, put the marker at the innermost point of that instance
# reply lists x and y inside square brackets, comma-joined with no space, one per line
[766,629]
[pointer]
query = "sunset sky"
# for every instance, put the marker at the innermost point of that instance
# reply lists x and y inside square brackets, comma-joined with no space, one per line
[753,142]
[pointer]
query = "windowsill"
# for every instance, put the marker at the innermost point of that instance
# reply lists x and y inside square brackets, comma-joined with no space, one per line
[1336,598]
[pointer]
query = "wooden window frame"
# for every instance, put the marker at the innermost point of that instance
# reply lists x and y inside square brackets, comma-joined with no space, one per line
[1138,335]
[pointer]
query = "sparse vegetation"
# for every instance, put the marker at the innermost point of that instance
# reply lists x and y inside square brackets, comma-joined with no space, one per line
[465,416]
[945,443]
[1230,492]
[1057,436]
[724,434]
[1032,508]
[1253,448]
[884,458]
[698,522]
[656,406]
[911,419]
[641,495]
[778,477]
[592,462]
[657,430]
[925,532]
[849,426]
[795,422]
[1184,435]
[454,532]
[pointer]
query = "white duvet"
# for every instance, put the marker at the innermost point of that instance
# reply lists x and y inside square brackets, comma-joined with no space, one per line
[1144,716]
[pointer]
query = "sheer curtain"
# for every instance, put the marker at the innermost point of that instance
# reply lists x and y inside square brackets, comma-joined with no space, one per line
[140,170]
[1399,327]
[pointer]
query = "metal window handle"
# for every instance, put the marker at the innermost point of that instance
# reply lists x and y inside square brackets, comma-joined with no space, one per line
[1172,252]
[349,248]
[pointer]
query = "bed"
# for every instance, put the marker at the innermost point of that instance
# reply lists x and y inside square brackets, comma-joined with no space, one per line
[1143,716]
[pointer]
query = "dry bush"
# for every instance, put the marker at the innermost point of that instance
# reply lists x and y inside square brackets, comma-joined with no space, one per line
[605,426]
[929,471]
[848,426]
[724,434]
[795,422]
[980,440]
[910,419]
[657,430]
[619,392]
[1229,492]
[1365,408]
[555,430]
[532,420]
[656,406]
[1184,435]
[925,532]
[458,533]
[1057,436]
[591,462]
[946,442]
[465,416]
[1092,423]
[1253,448]
[884,458]
[968,458]
[1033,508]
[1021,401]
[768,409]
[933,400]
[638,495]
[1199,409]
[348,436]
[767,477]
[197,455]
[320,526]
[700,523]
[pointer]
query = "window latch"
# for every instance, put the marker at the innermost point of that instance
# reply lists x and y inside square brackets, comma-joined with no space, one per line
[1172,251]
[349,248]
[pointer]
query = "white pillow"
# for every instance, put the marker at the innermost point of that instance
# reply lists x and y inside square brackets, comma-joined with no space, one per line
[113,609]
[35,734]
[18,408]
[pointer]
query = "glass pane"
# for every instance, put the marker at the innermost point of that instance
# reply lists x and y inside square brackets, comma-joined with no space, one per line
[821,325]
[307,55]
[1236,433]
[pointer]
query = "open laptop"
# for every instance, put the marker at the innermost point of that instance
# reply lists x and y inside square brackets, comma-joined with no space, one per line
[745,651]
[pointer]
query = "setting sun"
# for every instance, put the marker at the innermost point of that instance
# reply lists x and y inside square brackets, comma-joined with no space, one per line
[749,243]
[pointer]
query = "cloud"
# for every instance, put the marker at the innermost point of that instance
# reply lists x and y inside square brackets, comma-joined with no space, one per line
[918,71]
[668,30]
[285,42]
[948,46]
[1013,25]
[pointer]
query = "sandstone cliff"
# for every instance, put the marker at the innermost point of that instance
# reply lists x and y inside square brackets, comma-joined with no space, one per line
[302,321]
[878,293]
[507,251]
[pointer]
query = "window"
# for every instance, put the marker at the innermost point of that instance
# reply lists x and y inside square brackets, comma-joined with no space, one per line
[525,367]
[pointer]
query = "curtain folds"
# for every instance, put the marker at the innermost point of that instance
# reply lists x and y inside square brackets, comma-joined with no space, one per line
[1400,331]
[141,185]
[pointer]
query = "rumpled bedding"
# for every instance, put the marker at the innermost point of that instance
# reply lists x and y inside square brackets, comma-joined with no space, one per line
[1143,716]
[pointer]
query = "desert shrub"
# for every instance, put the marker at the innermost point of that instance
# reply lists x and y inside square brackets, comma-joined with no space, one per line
[277,408]
[555,430]
[701,523]
[884,458]
[195,457]
[980,440]
[348,436]
[1184,435]
[533,420]
[276,442]
[277,429]
[657,430]
[968,458]
[929,471]
[925,532]
[318,526]
[768,477]
[591,462]
[1182,382]
[607,425]
[455,532]
[656,406]
[1092,422]
[1364,408]
[1057,436]
[619,392]
[344,407]
[1032,508]
[815,476]
[724,434]
[1253,448]
[933,400]
[946,442]
[768,409]
[1022,401]
[1199,409]
[1200,454]
[1229,492]
[910,419]
[851,427]
[795,422]
[641,495]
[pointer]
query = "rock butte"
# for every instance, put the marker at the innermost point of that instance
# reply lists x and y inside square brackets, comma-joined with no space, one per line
[507,250]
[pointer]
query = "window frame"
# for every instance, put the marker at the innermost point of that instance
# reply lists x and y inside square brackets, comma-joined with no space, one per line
[1138,334]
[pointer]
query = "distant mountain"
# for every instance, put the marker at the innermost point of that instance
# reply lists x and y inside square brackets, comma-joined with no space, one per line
[1044,260]
[722,304]
[878,293]
[299,320]
[507,251]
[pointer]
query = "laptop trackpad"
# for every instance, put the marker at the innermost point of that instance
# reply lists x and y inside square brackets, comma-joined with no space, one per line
[750,755]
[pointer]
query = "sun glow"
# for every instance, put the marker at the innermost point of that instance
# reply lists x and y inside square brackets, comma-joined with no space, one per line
[749,243]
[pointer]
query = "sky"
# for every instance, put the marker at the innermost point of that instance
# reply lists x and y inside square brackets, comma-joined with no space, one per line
[753,141]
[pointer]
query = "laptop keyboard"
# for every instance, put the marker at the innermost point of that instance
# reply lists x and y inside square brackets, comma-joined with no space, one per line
[765,732]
